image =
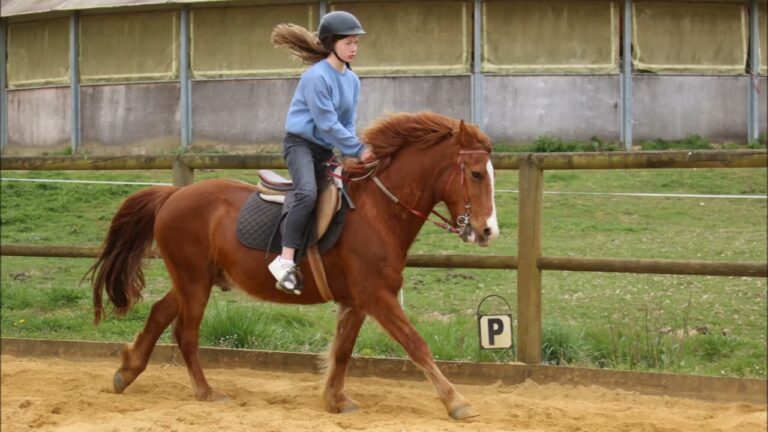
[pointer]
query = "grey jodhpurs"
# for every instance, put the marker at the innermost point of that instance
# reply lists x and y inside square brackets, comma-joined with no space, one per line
[305,163]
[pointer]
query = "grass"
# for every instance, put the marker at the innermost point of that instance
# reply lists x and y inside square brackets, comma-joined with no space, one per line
[548,144]
[638,322]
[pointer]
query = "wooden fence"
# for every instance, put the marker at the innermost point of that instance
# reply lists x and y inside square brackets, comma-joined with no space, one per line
[529,262]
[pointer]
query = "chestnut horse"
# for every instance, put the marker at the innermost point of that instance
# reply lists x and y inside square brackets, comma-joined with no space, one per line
[425,158]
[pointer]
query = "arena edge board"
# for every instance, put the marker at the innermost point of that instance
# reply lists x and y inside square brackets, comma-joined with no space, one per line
[719,389]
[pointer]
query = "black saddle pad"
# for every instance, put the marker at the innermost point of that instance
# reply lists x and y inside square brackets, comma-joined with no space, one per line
[258,226]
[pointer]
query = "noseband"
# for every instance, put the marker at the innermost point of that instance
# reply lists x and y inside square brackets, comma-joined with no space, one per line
[462,221]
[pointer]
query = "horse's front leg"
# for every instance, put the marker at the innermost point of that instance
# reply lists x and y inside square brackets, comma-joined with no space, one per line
[387,311]
[348,325]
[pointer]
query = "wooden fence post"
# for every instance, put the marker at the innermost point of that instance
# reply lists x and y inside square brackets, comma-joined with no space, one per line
[528,272]
[183,175]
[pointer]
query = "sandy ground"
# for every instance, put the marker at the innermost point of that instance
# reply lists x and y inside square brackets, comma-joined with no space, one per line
[62,395]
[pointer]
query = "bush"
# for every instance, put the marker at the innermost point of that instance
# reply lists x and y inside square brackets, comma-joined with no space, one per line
[561,345]
[691,142]
[548,144]
[259,327]
[760,144]
[714,347]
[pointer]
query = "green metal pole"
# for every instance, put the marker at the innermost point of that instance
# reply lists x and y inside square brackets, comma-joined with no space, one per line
[74,79]
[626,79]
[184,81]
[3,90]
[753,126]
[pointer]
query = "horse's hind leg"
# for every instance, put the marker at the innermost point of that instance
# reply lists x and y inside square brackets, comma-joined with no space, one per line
[136,355]
[193,300]
[390,315]
[347,328]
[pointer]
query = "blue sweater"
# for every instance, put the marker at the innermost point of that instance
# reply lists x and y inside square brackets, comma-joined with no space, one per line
[323,108]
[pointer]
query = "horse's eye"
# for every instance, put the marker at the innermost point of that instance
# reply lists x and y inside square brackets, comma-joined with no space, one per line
[477,175]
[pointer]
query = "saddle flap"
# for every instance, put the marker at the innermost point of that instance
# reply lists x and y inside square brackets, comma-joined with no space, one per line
[328,203]
[277,199]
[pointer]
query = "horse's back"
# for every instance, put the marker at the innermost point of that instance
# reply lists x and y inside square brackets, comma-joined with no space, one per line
[206,196]
[191,214]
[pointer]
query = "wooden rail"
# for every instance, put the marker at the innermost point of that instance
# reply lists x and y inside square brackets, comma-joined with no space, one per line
[529,263]
[503,161]
[488,262]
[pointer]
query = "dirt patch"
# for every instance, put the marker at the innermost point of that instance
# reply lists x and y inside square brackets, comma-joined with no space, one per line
[61,395]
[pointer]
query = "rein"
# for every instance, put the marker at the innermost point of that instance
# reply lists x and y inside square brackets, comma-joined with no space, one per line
[461,221]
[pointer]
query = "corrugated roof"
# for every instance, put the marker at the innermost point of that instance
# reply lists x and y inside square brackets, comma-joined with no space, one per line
[9,8]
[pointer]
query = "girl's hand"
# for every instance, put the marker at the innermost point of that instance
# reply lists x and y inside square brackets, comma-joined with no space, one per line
[367,156]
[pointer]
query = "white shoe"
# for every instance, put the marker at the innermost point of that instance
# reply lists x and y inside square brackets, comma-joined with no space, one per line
[287,275]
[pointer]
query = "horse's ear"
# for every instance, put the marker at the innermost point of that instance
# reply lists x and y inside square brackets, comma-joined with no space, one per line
[464,136]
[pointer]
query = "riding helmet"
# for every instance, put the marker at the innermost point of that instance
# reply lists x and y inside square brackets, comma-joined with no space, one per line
[339,23]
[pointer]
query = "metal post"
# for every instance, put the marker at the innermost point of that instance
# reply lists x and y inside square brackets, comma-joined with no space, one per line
[323,9]
[478,97]
[528,271]
[74,79]
[626,81]
[183,175]
[3,91]
[184,81]
[753,126]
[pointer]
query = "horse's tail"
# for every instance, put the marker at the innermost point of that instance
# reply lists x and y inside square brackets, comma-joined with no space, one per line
[118,265]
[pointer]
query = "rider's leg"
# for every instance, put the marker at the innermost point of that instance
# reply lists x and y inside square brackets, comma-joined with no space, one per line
[302,164]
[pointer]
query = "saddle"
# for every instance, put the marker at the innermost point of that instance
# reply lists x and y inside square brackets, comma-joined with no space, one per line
[273,188]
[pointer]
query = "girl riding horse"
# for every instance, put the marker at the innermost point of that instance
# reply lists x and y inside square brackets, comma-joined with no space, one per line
[321,117]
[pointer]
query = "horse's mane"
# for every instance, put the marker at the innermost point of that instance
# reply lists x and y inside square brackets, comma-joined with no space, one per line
[423,129]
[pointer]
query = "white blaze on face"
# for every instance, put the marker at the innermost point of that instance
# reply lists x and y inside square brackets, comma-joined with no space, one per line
[492,223]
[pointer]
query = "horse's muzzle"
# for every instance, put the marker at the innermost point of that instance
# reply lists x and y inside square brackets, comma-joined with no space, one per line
[470,235]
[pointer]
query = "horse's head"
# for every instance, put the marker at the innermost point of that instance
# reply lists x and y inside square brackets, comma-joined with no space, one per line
[469,188]
[453,157]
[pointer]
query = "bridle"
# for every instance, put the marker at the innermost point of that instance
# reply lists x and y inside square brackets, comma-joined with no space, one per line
[461,222]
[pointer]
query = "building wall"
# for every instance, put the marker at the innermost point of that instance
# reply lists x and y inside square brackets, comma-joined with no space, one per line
[554,72]
[449,96]
[130,118]
[250,114]
[673,107]
[39,121]
[236,113]
[522,108]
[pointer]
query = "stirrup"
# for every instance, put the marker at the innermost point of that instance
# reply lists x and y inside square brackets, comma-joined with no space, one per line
[293,277]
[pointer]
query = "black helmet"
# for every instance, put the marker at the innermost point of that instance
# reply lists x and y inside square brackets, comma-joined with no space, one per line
[339,23]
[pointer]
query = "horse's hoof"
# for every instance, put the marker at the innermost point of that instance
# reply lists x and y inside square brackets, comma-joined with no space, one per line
[221,397]
[464,412]
[118,383]
[215,396]
[348,407]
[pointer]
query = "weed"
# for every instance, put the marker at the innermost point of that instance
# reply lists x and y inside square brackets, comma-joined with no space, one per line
[691,142]
[715,347]
[561,345]
[62,297]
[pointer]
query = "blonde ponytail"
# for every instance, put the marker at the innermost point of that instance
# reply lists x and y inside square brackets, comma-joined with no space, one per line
[299,42]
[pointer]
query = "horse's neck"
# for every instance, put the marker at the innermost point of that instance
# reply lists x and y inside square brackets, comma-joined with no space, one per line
[415,180]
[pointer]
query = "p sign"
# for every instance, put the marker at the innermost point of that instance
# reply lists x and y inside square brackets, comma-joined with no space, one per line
[495,331]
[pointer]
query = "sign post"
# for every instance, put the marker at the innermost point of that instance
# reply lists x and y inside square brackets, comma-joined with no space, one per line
[495,330]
